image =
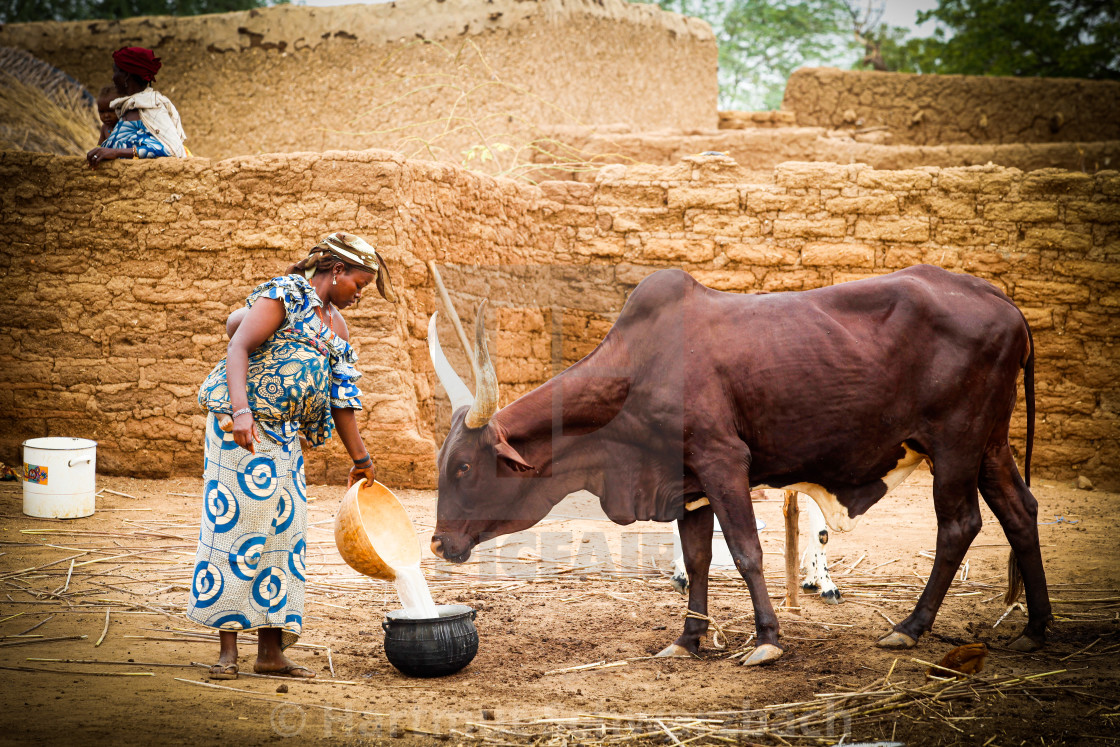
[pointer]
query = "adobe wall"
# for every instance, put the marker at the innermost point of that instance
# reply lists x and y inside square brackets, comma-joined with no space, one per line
[432,78]
[941,109]
[120,279]
[762,148]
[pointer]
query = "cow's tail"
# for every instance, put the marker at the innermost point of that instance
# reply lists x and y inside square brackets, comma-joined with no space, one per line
[1028,392]
[1014,575]
[1014,580]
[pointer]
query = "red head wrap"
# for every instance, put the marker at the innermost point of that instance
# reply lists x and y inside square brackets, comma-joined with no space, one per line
[139,61]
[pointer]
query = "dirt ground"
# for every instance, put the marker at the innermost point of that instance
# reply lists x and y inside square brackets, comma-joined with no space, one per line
[595,597]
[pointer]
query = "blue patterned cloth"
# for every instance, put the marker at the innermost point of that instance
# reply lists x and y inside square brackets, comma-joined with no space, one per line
[249,566]
[127,134]
[298,374]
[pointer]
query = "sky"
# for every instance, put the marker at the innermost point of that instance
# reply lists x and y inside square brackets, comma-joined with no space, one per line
[904,13]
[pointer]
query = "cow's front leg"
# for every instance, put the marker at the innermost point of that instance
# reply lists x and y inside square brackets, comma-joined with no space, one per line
[695,530]
[726,484]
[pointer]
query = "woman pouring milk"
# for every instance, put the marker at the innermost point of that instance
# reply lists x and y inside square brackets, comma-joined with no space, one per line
[289,370]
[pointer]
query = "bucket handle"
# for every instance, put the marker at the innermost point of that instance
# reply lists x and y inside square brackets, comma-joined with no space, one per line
[474,614]
[72,462]
[385,625]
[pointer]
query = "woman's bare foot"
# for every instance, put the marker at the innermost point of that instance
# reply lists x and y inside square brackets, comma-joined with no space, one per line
[271,659]
[226,668]
[283,667]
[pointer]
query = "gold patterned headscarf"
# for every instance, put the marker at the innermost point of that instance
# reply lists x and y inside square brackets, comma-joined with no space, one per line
[353,250]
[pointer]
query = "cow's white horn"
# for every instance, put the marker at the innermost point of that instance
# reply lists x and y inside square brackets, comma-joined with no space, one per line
[486,396]
[452,384]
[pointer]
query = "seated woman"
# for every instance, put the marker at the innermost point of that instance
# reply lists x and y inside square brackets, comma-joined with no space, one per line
[149,125]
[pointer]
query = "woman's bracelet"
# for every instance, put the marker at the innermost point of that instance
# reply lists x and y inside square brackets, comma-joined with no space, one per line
[242,411]
[364,461]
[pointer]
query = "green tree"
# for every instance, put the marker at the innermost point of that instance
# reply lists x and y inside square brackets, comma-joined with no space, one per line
[762,41]
[1051,38]
[17,11]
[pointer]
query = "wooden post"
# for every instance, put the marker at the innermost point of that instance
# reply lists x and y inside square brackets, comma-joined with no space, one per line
[790,512]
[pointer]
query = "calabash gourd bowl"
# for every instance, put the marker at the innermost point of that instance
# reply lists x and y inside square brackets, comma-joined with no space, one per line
[373,532]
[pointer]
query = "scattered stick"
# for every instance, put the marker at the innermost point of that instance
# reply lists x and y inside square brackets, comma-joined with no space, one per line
[330,662]
[874,567]
[585,667]
[311,680]
[256,696]
[1012,608]
[106,629]
[852,567]
[74,672]
[122,495]
[665,729]
[1075,653]
[37,625]
[104,662]
[718,632]
[68,574]
[44,640]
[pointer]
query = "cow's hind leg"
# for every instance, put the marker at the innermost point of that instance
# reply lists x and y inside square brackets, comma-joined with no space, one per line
[958,522]
[695,530]
[1017,511]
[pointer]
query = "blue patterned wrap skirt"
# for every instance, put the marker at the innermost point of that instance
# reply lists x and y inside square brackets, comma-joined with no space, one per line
[249,567]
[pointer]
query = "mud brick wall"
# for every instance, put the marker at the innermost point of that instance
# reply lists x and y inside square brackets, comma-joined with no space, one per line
[926,109]
[120,279]
[1050,239]
[431,78]
[761,149]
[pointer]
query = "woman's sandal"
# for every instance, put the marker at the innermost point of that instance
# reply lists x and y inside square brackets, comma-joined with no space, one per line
[290,671]
[223,672]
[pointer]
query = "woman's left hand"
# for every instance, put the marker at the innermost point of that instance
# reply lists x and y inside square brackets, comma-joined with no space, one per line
[357,473]
[99,155]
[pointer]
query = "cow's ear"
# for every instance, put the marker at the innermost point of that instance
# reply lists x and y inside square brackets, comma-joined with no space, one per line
[509,454]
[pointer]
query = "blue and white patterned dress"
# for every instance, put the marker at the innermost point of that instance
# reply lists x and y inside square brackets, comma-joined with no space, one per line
[127,134]
[249,567]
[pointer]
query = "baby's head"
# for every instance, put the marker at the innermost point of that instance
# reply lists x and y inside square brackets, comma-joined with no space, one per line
[104,111]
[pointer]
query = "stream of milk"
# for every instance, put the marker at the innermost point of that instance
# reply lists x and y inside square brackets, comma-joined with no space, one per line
[414,595]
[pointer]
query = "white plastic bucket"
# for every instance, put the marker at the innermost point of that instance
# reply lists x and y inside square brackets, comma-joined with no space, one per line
[59,477]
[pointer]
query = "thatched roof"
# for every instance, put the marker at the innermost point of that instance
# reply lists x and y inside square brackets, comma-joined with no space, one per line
[42,109]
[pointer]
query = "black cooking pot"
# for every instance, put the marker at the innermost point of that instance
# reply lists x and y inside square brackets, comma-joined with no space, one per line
[432,647]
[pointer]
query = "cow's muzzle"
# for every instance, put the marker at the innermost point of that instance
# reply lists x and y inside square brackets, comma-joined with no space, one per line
[444,547]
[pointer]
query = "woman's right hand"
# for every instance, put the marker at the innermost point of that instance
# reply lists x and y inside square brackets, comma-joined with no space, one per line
[245,432]
[100,155]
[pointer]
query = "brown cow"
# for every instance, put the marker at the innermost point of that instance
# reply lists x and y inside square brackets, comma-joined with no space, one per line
[837,392]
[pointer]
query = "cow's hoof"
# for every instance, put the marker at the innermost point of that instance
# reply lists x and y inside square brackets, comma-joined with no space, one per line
[809,586]
[1025,644]
[832,596]
[896,640]
[764,654]
[674,650]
